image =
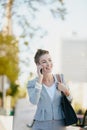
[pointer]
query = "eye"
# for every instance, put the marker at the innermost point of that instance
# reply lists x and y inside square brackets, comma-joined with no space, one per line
[44,62]
[50,60]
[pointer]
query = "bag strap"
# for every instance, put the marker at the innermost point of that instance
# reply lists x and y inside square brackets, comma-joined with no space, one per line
[58,77]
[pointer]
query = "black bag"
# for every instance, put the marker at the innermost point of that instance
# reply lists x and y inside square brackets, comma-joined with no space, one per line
[70,115]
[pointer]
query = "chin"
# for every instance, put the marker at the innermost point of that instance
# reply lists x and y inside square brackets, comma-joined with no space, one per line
[49,71]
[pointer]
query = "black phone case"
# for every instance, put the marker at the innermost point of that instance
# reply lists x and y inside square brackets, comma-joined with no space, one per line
[41,71]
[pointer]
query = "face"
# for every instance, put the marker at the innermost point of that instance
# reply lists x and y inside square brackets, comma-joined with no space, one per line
[46,62]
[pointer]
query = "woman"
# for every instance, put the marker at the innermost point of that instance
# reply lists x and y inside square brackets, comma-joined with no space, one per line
[45,92]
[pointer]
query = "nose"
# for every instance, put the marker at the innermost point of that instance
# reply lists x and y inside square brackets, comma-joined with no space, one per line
[48,63]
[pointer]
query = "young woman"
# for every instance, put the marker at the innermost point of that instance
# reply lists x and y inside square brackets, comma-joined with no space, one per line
[45,92]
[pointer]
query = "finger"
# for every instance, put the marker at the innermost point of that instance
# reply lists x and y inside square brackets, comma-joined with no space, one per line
[59,82]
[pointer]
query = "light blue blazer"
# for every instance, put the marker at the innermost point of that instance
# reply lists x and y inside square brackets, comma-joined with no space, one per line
[46,108]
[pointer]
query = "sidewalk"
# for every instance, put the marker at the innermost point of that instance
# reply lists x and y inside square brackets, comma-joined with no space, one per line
[2,126]
[24,113]
[6,122]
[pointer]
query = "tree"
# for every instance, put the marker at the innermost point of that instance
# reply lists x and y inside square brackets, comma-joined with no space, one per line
[25,12]
[16,92]
[14,15]
[9,57]
[8,49]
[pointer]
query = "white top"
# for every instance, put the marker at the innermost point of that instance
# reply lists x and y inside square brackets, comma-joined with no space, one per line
[50,90]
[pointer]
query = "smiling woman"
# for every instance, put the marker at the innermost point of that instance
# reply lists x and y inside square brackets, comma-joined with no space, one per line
[45,92]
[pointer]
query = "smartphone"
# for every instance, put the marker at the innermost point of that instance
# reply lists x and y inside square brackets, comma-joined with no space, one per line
[41,71]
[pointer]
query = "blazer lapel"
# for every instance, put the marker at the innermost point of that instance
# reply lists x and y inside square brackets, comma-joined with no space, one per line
[56,91]
[46,93]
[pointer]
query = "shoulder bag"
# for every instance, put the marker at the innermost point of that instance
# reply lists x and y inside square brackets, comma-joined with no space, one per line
[70,115]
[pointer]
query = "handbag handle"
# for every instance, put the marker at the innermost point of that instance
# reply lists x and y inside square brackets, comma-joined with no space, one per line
[58,78]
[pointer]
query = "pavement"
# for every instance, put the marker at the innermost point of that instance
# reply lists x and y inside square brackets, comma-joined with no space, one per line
[2,126]
[6,122]
[24,112]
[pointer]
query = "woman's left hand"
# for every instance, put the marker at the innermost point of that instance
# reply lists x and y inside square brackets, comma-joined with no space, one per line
[63,89]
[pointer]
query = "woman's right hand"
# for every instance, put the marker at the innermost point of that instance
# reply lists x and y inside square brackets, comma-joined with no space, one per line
[40,74]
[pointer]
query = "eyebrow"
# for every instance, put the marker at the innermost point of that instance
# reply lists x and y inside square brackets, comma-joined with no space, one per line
[45,60]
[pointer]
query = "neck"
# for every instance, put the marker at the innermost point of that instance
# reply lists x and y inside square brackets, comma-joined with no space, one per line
[48,79]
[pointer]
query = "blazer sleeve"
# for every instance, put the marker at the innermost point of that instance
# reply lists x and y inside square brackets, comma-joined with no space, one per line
[63,81]
[34,91]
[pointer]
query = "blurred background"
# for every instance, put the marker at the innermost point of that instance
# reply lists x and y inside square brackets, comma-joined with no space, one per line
[55,25]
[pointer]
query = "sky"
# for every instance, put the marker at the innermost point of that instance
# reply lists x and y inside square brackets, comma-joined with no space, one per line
[74,25]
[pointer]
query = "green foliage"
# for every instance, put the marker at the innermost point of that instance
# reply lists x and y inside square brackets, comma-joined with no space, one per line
[9,57]
[21,93]
[16,92]
[12,90]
